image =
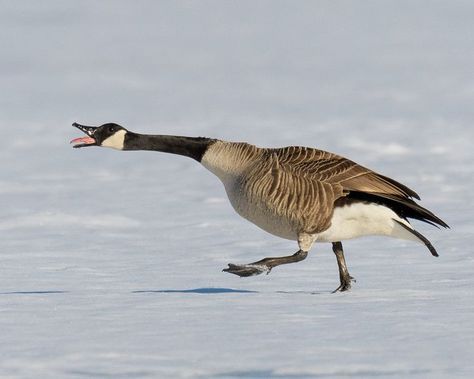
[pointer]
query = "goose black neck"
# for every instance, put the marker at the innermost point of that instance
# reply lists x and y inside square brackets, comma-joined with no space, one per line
[193,147]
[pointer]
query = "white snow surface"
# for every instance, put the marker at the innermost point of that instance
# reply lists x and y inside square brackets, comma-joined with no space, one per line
[111,261]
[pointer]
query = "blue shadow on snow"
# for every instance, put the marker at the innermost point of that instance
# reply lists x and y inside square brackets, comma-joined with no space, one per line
[205,291]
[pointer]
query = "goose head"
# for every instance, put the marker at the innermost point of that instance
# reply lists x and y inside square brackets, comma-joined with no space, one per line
[108,135]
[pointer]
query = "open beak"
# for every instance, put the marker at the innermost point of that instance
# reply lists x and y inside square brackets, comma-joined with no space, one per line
[85,141]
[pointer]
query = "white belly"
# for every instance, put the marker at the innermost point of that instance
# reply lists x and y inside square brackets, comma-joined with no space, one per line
[364,219]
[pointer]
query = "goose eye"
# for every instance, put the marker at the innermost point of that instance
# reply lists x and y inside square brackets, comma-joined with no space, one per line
[111,128]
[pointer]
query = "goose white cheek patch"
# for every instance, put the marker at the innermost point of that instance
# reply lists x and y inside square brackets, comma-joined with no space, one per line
[115,141]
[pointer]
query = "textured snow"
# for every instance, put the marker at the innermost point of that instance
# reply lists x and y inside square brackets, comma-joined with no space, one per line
[111,261]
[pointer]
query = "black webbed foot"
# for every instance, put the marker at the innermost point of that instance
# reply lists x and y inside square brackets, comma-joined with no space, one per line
[265,264]
[247,269]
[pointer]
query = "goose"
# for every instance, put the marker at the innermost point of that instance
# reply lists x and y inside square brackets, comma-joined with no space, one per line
[296,193]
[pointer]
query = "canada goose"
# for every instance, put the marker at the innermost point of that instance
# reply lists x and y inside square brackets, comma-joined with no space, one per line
[297,193]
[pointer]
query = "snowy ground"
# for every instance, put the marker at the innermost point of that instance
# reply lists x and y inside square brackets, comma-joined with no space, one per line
[111,262]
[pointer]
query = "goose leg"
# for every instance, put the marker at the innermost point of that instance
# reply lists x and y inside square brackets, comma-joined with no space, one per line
[344,276]
[265,264]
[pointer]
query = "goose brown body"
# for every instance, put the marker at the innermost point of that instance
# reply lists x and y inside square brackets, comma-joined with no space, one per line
[293,190]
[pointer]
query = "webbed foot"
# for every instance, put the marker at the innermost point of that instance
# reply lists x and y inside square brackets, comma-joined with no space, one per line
[247,269]
[265,264]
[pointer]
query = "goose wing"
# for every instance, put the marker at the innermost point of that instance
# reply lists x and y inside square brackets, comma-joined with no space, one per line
[324,167]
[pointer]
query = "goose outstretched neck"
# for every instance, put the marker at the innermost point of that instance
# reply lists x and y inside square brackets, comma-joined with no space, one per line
[193,147]
[117,137]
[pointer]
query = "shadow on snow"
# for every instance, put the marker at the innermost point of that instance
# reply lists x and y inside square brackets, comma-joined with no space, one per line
[205,291]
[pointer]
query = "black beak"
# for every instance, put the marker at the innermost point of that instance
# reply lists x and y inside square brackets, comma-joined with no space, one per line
[89,130]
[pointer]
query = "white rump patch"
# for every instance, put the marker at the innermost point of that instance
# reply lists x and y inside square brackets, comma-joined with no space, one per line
[115,141]
[365,219]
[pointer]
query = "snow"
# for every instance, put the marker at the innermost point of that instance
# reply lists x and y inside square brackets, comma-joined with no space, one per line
[111,261]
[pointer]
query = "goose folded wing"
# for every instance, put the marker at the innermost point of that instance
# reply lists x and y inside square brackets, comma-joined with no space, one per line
[336,170]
